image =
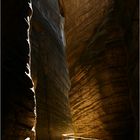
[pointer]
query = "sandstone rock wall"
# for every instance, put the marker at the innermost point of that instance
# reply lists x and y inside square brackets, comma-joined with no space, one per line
[98,57]
[100,100]
[50,73]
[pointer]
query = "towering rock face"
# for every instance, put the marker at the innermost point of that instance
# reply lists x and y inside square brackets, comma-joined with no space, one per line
[100,62]
[49,71]
[18,102]
[82,20]
[100,100]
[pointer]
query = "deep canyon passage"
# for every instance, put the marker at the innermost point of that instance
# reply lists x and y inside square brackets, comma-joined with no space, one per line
[70,69]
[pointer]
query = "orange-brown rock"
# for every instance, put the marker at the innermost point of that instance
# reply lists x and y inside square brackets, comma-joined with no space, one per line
[97,54]
[84,64]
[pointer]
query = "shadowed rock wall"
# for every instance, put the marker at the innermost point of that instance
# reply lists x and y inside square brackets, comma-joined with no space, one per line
[18,102]
[49,72]
[132,39]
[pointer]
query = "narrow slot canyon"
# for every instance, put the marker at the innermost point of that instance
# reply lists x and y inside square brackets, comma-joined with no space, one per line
[70,70]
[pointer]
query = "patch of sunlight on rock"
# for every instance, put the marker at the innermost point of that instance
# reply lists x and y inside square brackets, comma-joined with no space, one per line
[69,139]
[27,138]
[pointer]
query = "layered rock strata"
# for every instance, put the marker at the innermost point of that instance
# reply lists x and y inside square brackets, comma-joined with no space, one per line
[97,49]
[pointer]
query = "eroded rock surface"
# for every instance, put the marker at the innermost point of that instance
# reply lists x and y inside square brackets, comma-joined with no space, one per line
[97,54]
[49,71]
[100,99]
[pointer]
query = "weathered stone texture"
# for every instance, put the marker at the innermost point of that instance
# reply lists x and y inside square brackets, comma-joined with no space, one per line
[98,61]
[100,99]
[49,70]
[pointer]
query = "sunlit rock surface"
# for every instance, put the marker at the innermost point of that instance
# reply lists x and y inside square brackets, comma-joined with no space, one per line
[99,58]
